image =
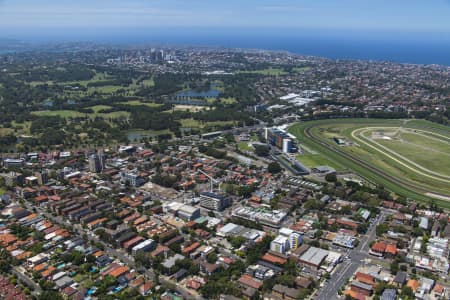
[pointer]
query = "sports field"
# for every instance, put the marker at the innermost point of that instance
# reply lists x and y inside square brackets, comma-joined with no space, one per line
[409,157]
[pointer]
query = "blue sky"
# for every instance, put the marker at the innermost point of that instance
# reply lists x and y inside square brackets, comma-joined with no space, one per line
[51,16]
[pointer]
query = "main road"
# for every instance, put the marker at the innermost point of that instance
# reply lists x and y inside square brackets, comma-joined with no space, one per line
[345,270]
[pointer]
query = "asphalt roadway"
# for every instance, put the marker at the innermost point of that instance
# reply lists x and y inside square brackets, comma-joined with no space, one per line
[345,270]
[20,274]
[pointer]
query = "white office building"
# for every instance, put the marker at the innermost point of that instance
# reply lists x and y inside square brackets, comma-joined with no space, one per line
[280,244]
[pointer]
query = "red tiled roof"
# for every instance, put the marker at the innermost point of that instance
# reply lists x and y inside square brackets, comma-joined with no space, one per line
[413,284]
[274,259]
[41,198]
[247,280]
[119,271]
[365,278]
[133,241]
[347,223]
[50,270]
[438,288]
[55,198]
[98,253]
[146,287]
[193,284]
[40,267]
[191,248]
[391,249]
[355,295]
[7,238]
[159,250]
[191,224]
[379,247]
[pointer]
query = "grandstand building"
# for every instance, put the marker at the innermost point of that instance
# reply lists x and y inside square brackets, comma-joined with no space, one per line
[280,139]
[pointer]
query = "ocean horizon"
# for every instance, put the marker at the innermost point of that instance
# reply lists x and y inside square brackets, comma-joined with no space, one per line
[412,49]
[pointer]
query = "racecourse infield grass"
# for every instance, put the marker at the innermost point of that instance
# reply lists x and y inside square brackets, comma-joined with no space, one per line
[408,157]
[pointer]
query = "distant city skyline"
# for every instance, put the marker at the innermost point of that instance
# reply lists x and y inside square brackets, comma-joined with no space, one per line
[51,17]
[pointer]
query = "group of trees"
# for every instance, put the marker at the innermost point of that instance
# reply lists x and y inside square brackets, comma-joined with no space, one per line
[145,118]
[9,139]
[262,150]
[222,114]
[165,84]
[211,151]
[21,232]
[71,72]
[77,258]
[241,86]
[274,167]
[166,180]
[6,261]
[40,125]
[221,282]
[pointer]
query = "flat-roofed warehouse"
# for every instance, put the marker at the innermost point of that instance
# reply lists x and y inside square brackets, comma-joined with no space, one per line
[313,257]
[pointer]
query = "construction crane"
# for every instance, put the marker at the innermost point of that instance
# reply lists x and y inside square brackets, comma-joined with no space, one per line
[211,180]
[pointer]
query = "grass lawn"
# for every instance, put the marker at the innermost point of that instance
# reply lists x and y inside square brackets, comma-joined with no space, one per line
[229,100]
[107,89]
[189,123]
[79,277]
[427,152]
[97,77]
[98,108]
[255,138]
[315,160]
[60,113]
[138,103]
[245,146]
[220,123]
[148,82]
[87,283]
[22,128]
[267,72]
[5,131]
[300,69]
[209,100]
[2,191]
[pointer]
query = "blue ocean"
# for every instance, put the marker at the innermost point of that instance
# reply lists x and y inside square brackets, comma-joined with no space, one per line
[403,47]
[402,51]
[409,47]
